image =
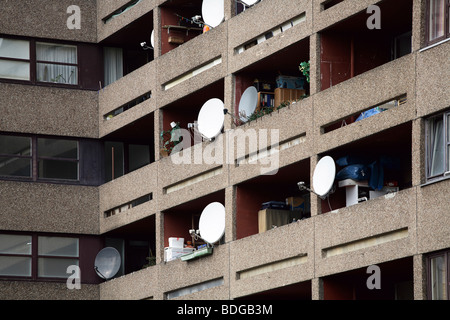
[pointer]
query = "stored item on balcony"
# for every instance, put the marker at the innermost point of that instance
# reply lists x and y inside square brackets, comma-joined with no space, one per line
[295,203]
[171,254]
[107,263]
[283,95]
[248,103]
[213,12]
[170,138]
[211,118]
[175,242]
[262,85]
[290,82]
[272,218]
[275,205]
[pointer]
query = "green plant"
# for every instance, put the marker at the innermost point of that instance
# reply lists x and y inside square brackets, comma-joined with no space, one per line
[170,138]
[151,260]
[304,68]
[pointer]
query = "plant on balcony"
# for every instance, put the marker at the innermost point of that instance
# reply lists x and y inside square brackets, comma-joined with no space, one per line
[169,139]
[304,68]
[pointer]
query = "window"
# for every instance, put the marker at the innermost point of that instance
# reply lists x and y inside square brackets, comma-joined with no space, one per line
[15,156]
[57,159]
[15,255]
[438,270]
[29,61]
[438,146]
[38,158]
[14,59]
[55,254]
[56,63]
[438,27]
[122,158]
[37,257]
[113,64]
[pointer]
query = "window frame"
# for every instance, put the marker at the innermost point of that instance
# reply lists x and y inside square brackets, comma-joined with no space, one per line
[38,158]
[446,35]
[446,255]
[15,156]
[35,161]
[19,59]
[446,145]
[33,63]
[35,256]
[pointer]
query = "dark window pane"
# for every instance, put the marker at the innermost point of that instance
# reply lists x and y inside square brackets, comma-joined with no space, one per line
[139,156]
[15,167]
[58,169]
[14,145]
[57,148]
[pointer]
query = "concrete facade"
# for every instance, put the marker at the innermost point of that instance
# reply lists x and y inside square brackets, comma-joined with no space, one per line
[301,260]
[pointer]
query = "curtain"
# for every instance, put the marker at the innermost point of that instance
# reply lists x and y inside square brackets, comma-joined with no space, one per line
[436,19]
[436,147]
[113,65]
[48,69]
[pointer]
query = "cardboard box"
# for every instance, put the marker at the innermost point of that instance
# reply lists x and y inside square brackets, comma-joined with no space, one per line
[296,203]
[283,95]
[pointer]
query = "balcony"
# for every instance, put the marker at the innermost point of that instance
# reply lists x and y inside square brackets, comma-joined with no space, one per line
[349,48]
[386,230]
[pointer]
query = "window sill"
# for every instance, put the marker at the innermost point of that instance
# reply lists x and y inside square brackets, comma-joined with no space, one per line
[435,180]
[434,45]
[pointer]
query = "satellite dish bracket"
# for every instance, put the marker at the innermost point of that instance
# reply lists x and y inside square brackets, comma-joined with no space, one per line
[302,187]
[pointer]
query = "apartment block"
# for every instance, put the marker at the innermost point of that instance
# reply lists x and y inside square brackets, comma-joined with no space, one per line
[93,91]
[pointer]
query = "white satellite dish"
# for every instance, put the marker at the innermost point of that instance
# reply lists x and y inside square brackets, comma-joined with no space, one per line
[248,102]
[324,175]
[152,38]
[249,2]
[107,263]
[212,222]
[213,12]
[211,118]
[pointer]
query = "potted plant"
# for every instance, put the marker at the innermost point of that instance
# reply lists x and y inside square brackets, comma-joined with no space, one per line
[169,139]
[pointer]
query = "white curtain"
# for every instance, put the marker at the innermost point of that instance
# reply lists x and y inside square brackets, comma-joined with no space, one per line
[54,72]
[113,64]
[436,19]
[437,147]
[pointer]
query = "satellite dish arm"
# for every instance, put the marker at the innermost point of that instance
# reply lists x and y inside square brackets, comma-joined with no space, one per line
[98,271]
[301,186]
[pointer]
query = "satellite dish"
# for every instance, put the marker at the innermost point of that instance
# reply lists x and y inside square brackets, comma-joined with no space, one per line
[213,12]
[324,175]
[152,38]
[248,102]
[249,2]
[212,222]
[107,263]
[211,118]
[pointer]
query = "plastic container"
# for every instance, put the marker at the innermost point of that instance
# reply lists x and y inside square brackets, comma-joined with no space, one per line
[176,242]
